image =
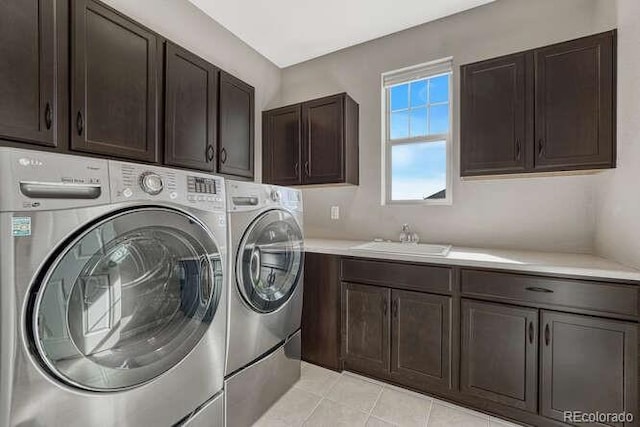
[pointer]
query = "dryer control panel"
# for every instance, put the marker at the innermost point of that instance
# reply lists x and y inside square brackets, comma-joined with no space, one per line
[134,182]
[247,196]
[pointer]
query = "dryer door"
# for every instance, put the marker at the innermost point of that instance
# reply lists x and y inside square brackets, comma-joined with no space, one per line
[127,299]
[270,260]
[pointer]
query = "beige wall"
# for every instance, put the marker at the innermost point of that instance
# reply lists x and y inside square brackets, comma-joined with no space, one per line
[186,25]
[618,219]
[557,213]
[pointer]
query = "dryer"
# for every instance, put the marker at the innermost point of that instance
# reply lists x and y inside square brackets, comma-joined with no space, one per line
[112,296]
[265,297]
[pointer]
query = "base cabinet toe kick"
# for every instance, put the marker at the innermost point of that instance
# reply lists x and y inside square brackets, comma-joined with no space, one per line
[535,348]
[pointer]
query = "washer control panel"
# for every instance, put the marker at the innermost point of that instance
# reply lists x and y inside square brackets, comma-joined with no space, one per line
[134,182]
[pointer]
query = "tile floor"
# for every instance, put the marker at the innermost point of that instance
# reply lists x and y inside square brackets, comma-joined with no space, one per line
[326,398]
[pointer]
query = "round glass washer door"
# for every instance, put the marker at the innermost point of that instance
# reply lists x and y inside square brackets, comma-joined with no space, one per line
[270,260]
[127,300]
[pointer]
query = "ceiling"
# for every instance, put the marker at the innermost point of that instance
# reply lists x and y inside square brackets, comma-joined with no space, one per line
[291,31]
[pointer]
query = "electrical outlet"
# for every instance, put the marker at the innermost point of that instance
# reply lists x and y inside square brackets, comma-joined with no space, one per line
[335,212]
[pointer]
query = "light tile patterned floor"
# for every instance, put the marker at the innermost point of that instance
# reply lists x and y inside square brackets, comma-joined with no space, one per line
[326,398]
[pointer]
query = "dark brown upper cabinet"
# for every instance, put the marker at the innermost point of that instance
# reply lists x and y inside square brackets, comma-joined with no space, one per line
[236,124]
[191,88]
[588,365]
[494,116]
[500,354]
[548,109]
[421,340]
[282,133]
[114,84]
[575,104]
[33,71]
[315,142]
[365,328]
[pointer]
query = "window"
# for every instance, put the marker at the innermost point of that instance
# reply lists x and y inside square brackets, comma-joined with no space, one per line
[417,134]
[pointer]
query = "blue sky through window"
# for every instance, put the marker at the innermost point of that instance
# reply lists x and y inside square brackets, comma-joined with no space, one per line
[419,108]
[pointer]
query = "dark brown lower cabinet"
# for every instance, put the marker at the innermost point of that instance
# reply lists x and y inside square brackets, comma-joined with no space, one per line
[589,364]
[499,353]
[321,310]
[421,340]
[365,328]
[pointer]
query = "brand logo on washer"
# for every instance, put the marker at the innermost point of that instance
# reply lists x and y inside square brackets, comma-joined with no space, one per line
[23,161]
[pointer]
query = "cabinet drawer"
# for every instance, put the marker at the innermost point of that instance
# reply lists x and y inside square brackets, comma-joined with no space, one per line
[399,275]
[581,295]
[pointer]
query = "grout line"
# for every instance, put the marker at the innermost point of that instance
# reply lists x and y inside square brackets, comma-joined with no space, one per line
[312,411]
[377,400]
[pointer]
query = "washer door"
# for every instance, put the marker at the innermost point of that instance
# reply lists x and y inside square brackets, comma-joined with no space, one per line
[127,300]
[270,259]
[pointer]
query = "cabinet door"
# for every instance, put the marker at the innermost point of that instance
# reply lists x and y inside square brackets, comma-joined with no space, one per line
[33,55]
[365,328]
[494,116]
[236,124]
[589,365]
[321,310]
[499,353]
[575,103]
[281,145]
[191,86]
[323,140]
[114,84]
[421,340]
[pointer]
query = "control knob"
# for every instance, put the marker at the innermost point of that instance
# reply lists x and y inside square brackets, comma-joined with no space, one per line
[151,183]
[276,196]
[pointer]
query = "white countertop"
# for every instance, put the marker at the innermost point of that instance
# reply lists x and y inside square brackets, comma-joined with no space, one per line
[541,262]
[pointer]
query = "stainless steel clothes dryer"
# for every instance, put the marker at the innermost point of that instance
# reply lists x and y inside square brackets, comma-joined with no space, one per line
[265,297]
[112,294]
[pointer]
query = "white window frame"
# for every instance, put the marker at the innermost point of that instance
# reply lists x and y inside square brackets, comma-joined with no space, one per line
[403,76]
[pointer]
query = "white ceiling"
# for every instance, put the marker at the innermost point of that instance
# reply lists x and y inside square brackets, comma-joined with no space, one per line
[291,31]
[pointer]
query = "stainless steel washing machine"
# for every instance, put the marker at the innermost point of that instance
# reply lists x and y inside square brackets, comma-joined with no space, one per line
[265,297]
[112,297]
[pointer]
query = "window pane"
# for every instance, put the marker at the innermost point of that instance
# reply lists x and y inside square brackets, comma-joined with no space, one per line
[439,119]
[419,171]
[418,122]
[419,93]
[399,97]
[439,89]
[399,125]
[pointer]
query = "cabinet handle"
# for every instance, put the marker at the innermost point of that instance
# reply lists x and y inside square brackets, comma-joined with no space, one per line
[531,332]
[296,169]
[537,289]
[306,168]
[394,308]
[517,149]
[547,335]
[79,123]
[48,115]
[223,156]
[210,153]
[385,307]
[540,147]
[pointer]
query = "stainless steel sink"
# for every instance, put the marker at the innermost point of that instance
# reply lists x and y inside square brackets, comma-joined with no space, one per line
[413,249]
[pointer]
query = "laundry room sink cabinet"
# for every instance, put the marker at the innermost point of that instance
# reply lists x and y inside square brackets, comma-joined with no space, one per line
[313,142]
[392,331]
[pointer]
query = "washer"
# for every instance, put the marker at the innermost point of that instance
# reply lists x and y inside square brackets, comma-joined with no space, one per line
[265,297]
[112,297]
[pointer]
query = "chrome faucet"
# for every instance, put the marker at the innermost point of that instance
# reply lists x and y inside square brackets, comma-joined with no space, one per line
[407,236]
